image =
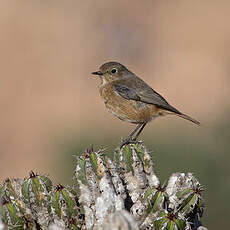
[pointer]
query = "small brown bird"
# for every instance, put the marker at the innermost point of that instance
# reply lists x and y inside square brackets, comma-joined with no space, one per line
[131,99]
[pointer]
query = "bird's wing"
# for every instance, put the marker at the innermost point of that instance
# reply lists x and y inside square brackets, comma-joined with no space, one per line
[139,91]
[127,93]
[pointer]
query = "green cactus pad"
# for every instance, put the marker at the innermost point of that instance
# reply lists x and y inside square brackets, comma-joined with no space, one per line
[12,216]
[155,197]
[81,172]
[128,158]
[93,160]
[169,221]
[64,206]
[189,203]
[39,186]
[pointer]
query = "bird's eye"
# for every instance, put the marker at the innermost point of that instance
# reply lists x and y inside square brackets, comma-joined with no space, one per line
[114,70]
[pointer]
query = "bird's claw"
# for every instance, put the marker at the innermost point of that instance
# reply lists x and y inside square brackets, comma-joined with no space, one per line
[128,141]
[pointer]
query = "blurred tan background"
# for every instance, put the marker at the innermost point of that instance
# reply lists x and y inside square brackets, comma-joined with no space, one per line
[50,104]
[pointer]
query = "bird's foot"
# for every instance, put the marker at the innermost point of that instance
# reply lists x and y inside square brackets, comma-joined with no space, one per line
[127,141]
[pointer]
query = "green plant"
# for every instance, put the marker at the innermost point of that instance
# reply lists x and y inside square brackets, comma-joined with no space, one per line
[124,193]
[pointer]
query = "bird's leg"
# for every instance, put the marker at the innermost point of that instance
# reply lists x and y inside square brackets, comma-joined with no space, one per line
[129,138]
[139,132]
[134,131]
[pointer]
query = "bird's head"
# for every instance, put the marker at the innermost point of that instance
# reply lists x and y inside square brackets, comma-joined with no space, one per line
[111,71]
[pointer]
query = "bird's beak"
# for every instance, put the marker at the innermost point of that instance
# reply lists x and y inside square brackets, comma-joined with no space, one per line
[97,73]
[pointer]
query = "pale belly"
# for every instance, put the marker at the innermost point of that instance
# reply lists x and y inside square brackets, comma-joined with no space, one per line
[128,110]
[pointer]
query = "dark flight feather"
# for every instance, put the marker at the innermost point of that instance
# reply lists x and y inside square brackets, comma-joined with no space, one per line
[138,90]
[145,97]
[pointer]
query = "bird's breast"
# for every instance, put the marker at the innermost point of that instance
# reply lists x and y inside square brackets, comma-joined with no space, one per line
[127,110]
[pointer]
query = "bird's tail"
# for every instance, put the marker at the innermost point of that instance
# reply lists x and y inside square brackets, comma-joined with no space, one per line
[188,118]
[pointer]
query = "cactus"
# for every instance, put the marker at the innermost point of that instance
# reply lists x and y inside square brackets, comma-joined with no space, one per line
[124,193]
[65,208]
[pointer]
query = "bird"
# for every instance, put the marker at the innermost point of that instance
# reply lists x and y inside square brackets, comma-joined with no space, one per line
[130,99]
